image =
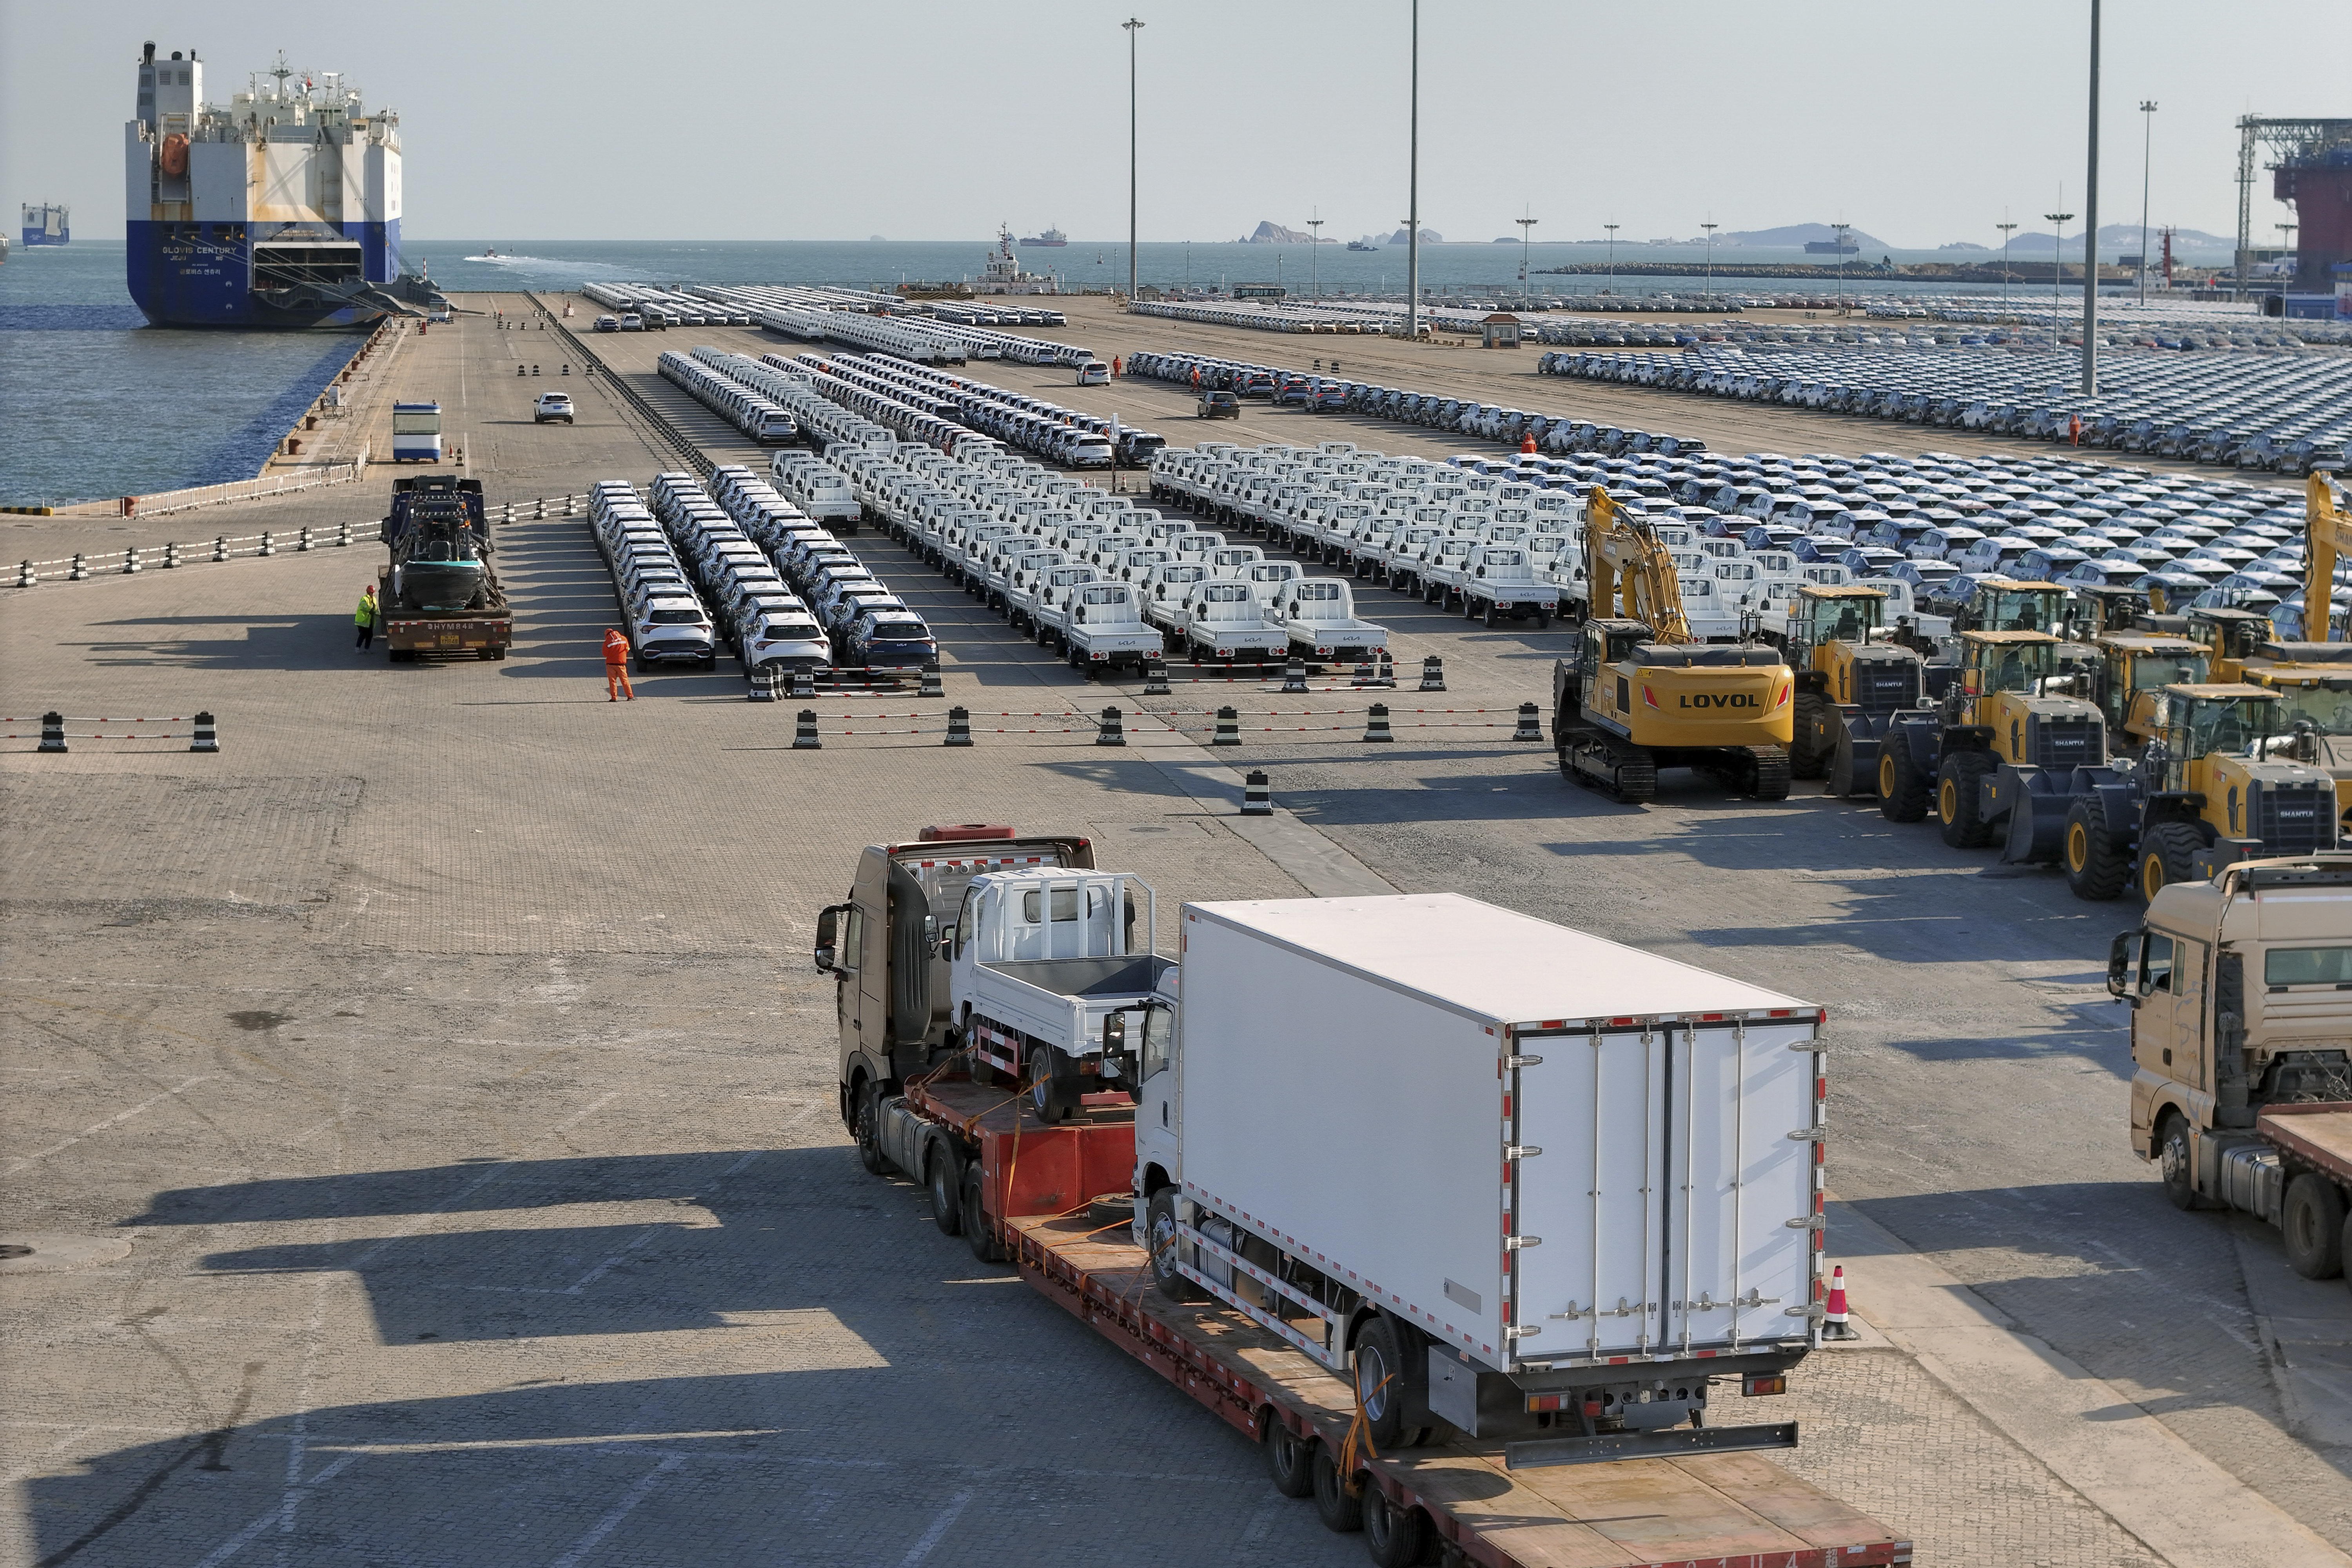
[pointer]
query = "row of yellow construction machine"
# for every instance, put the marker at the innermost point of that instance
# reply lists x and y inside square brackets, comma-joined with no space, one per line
[2144,748]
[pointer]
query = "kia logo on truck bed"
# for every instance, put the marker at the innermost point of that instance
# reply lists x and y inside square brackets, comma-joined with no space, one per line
[1717,699]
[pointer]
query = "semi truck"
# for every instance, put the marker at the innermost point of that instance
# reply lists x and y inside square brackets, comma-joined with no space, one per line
[1454,1365]
[438,593]
[2240,991]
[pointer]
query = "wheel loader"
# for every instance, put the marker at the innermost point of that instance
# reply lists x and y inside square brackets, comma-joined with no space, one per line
[1849,684]
[2217,783]
[1640,694]
[1999,736]
[2135,667]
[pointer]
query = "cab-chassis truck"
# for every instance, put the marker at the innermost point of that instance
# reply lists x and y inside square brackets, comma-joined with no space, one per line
[2241,990]
[1457,1214]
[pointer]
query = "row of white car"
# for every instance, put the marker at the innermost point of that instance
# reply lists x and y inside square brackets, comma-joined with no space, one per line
[663,618]
[748,410]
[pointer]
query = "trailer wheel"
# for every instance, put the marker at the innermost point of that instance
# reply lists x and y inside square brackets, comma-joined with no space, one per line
[2174,1158]
[946,1172]
[1394,1533]
[1160,1230]
[1290,1459]
[2312,1220]
[1333,1505]
[973,1218]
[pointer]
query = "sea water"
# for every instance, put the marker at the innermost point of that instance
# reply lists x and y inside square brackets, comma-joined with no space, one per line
[95,403]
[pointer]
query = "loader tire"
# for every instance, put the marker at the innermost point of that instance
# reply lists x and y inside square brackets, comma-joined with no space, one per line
[1902,788]
[2165,856]
[2095,868]
[1804,758]
[1959,800]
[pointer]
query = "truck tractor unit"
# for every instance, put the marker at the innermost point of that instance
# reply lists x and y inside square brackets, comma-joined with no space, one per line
[2209,789]
[2240,991]
[882,946]
[1851,682]
[1976,758]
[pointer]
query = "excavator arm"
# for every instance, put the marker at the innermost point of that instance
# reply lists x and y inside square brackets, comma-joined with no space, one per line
[2327,535]
[1625,556]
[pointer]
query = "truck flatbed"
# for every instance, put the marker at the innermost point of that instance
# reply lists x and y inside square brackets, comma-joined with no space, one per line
[2319,1134]
[1728,1511]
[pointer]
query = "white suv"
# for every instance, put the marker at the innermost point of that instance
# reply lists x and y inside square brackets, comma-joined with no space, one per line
[552,405]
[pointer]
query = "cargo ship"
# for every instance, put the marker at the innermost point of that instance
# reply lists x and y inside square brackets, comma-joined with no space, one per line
[281,210]
[48,223]
[1052,240]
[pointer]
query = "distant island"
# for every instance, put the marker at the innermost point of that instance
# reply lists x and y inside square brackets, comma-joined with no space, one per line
[1274,233]
[1964,245]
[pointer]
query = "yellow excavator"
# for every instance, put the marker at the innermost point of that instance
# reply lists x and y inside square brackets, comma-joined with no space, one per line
[2327,535]
[1643,694]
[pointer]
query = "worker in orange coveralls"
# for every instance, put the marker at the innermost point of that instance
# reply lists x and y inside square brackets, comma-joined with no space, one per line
[616,668]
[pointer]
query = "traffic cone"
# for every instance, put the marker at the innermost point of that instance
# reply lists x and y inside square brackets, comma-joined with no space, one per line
[1530,723]
[1432,674]
[1113,730]
[931,687]
[1376,723]
[1155,678]
[959,727]
[1294,674]
[804,737]
[1833,1318]
[1229,728]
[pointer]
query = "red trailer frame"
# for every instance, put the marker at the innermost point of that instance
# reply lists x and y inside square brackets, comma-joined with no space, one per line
[1711,1510]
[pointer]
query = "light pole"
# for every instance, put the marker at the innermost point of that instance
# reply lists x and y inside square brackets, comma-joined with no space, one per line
[2004,228]
[1132,27]
[1839,229]
[1612,256]
[1708,292]
[1315,253]
[1526,234]
[1413,193]
[2147,156]
[2091,228]
[2057,273]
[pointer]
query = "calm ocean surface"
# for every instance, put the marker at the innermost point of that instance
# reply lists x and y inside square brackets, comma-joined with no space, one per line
[96,404]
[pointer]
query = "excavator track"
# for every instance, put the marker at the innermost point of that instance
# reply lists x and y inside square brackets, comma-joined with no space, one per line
[1767,773]
[1602,763]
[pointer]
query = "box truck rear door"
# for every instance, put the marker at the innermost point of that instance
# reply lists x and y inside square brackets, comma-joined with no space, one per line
[1739,1246]
[1595,1105]
[1656,1219]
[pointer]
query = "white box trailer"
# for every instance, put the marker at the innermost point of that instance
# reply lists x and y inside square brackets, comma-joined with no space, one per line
[1584,1179]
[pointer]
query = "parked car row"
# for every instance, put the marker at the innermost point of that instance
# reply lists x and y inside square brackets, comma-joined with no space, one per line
[746,409]
[945,331]
[1069,438]
[1457,416]
[1926,531]
[663,618]
[823,421]
[2290,415]
[664,307]
[915,341]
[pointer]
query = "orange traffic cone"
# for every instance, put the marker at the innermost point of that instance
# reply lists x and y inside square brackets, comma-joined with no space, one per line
[1833,1317]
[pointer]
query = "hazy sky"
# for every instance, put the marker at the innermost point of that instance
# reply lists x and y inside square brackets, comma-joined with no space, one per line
[920,120]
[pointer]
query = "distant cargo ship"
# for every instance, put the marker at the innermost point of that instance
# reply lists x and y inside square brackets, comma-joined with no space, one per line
[1359,245]
[1052,240]
[1830,247]
[48,223]
[281,210]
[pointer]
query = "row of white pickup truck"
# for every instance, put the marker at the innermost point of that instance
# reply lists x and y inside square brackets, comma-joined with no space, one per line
[1095,576]
[1480,535]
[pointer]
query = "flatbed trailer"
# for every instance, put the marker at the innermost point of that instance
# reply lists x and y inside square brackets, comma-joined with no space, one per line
[410,634]
[1035,1195]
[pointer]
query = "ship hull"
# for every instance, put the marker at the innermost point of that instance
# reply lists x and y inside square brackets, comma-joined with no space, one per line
[200,274]
[33,236]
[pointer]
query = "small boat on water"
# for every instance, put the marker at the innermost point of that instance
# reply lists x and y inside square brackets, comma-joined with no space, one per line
[1359,245]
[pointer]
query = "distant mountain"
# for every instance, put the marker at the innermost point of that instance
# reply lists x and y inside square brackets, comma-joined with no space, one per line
[1274,233]
[1796,236]
[1428,236]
